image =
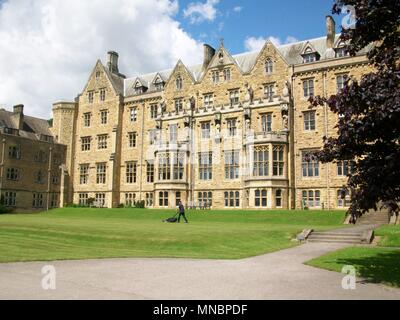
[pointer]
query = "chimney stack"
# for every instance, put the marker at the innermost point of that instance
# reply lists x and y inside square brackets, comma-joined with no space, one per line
[112,64]
[18,116]
[330,32]
[209,53]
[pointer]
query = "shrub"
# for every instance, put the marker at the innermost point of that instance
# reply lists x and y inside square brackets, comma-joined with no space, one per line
[4,209]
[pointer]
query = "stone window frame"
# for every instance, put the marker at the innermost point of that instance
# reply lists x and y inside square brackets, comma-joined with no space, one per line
[234,97]
[102,141]
[178,104]
[14,152]
[310,168]
[227,74]
[101,173]
[83,198]
[232,164]
[153,111]
[178,166]
[103,94]
[149,199]
[278,160]
[232,199]
[340,81]
[269,91]
[311,198]
[205,198]
[308,88]
[231,125]
[132,139]
[90,96]
[261,198]
[215,76]
[269,66]
[130,199]
[344,168]
[163,199]
[13,174]
[208,99]
[100,199]
[153,135]
[150,172]
[261,161]
[103,116]
[179,83]
[173,133]
[278,198]
[39,177]
[164,166]
[86,144]
[10,198]
[37,200]
[309,120]
[205,166]
[133,114]
[54,200]
[266,122]
[178,197]
[87,119]
[84,174]
[205,128]
[343,202]
[131,172]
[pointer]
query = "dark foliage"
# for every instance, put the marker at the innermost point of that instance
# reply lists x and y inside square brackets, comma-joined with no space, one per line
[369,123]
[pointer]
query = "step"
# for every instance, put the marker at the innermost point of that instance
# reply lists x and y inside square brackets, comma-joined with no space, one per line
[335,241]
[337,234]
[334,237]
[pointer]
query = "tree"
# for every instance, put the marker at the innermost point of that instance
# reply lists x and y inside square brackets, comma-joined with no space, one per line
[368,130]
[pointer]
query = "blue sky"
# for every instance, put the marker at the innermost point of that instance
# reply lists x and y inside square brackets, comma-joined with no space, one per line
[259,18]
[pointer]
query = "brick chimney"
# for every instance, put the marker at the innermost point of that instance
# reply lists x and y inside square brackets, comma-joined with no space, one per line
[18,116]
[209,53]
[112,64]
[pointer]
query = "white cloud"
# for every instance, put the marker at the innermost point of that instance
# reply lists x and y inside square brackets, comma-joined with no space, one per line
[48,48]
[237,9]
[254,44]
[199,12]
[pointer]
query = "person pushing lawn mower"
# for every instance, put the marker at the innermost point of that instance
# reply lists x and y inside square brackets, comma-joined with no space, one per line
[180,212]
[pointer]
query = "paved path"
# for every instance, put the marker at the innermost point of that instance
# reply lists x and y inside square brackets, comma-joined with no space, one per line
[279,275]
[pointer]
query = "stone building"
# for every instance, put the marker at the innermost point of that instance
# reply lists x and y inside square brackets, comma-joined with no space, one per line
[235,131]
[31,174]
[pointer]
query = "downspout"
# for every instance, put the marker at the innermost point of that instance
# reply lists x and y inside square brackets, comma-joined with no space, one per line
[292,144]
[141,153]
[49,178]
[2,165]
[326,135]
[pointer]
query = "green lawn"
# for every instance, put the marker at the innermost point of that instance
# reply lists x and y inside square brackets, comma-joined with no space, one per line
[109,233]
[375,264]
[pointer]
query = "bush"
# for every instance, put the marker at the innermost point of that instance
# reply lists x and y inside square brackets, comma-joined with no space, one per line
[4,209]
[140,204]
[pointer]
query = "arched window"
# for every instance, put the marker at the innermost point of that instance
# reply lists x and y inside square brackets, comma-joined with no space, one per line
[179,83]
[269,66]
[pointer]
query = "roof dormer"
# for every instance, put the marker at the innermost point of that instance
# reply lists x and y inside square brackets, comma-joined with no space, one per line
[140,86]
[309,53]
[158,82]
[340,48]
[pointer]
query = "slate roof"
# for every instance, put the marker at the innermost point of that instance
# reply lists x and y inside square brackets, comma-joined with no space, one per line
[290,52]
[32,127]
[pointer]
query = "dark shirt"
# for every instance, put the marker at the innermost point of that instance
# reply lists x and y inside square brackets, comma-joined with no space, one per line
[181,208]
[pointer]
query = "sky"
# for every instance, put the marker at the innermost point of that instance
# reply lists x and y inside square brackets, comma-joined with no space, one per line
[48,48]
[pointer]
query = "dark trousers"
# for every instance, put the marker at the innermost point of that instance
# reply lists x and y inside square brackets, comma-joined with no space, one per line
[182,214]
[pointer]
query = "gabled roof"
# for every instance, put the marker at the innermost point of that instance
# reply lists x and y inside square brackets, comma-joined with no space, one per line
[31,126]
[291,53]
